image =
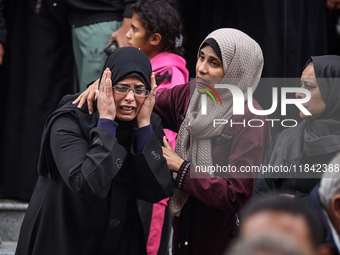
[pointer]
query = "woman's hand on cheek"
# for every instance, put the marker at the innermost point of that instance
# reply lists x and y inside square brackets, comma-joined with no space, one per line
[144,114]
[105,101]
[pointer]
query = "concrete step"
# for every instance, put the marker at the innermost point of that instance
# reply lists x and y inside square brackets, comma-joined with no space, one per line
[11,216]
[8,248]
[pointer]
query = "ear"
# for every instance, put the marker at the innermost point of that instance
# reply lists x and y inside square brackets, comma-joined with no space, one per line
[336,205]
[156,38]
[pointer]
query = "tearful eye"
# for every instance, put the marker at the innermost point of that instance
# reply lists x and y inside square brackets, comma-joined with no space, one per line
[122,88]
[140,91]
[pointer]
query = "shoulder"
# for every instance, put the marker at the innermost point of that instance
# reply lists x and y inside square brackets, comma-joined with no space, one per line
[313,196]
[67,99]
[156,121]
[166,62]
[72,116]
[175,93]
[155,118]
[164,59]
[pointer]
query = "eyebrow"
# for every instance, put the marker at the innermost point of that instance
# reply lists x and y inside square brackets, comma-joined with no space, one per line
[139,86]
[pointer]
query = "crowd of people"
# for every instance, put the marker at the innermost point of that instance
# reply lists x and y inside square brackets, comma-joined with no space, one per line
[143,158]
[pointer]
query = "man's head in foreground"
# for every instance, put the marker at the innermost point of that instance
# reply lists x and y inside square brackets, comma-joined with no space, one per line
[291,220]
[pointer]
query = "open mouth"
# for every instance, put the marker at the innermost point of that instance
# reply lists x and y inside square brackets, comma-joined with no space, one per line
[127,108]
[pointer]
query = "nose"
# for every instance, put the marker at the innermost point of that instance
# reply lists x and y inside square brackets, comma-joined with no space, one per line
[128,34]
[202,67]
[300,95]
[130,96]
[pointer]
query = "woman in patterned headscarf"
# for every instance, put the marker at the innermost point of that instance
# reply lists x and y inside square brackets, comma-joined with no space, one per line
[206,203]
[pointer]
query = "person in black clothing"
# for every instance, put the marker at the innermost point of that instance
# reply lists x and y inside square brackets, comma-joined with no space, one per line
[92,168]
[37,71]
[308,147]
[94,25]
[325,200]
[2,32]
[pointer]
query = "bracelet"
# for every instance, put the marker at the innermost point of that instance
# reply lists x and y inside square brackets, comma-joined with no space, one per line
[182,174]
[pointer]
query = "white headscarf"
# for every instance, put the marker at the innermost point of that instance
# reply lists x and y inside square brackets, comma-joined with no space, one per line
[242,61]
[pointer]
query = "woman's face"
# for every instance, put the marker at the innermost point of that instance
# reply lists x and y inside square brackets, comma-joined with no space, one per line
[208,67]
[128,105]
[316,105]
[137,36]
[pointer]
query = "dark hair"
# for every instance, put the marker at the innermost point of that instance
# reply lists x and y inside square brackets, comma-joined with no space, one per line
[163,17]
[293,206]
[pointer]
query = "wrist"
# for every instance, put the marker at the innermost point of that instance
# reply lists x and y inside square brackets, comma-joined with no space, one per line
[108,124]
[109,117]
[178,164]
[182,174]
[143,123]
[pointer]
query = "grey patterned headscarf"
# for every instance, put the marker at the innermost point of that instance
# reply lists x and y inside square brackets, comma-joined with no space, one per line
[242,61]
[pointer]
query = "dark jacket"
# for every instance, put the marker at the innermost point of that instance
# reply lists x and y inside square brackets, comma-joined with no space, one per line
[207,221]
[85,198]
[313,199]
[295,186]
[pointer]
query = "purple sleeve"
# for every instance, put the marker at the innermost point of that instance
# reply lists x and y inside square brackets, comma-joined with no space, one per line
[172,105]
[110,125]
[142,135]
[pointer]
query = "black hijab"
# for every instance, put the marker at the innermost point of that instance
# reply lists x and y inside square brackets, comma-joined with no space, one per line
[322,135]
[327,72]
[126,62]
[214,45]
